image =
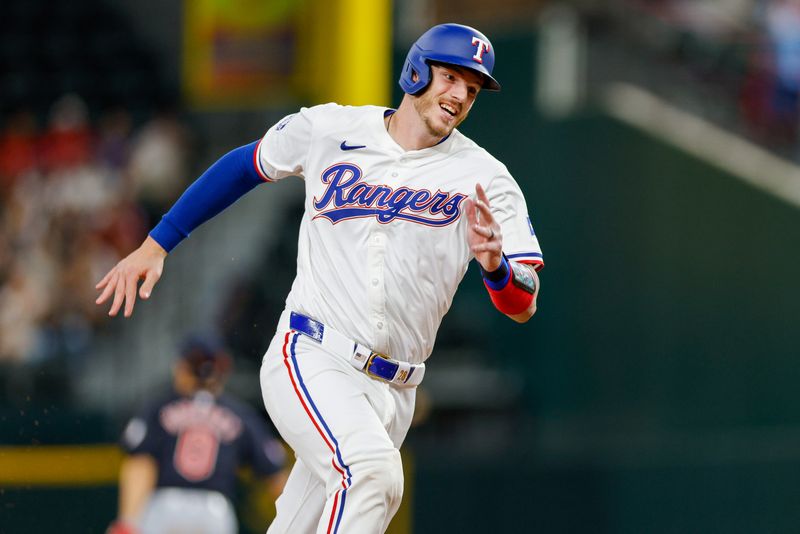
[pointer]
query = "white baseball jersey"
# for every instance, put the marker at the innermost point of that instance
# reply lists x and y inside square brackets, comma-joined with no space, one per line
[382,245]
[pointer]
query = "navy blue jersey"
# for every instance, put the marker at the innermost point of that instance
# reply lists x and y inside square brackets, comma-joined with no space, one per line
[201,441]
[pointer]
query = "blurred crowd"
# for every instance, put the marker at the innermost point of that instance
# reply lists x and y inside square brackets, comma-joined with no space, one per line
[749,47]
[780,68]
[754,46]
[76,194]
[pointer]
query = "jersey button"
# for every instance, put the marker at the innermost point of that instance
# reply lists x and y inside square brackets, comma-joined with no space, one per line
[379,325]
[394,174]
[374,281]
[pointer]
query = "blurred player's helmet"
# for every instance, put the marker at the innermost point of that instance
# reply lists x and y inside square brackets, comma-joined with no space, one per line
[206,357]
[453,44]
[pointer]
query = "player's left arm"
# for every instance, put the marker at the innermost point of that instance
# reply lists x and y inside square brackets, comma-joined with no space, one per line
[523,316]
[513,286]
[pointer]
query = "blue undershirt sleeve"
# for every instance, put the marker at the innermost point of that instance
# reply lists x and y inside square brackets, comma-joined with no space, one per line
[227,180]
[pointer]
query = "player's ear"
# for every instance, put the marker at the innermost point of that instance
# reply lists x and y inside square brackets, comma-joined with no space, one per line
[414,76]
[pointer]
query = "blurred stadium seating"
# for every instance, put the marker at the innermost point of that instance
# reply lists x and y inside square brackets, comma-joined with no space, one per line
[52,48]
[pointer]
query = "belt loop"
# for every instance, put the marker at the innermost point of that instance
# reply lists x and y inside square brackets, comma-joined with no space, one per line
[361,357]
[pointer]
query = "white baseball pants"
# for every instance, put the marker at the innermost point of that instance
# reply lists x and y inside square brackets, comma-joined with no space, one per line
[188,511]
[346,430]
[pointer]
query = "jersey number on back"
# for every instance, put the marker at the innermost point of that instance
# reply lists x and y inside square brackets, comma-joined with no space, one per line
[196,453]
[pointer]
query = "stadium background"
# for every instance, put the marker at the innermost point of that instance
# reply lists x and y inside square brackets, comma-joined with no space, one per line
[655,390]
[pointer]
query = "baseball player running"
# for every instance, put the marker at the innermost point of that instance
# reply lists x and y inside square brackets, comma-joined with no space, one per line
[184,452]
[398,202]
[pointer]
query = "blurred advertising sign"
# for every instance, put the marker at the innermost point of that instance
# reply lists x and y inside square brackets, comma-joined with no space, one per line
[238,53]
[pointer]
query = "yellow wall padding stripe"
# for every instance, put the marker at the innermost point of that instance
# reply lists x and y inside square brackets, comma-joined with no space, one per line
[98,465]
[402,522]
[364,36]
[348,51]
[60,465]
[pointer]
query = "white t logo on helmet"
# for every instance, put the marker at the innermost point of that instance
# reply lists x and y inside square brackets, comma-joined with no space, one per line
[483,46]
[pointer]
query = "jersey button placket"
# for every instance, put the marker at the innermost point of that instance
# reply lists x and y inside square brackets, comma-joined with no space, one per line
[377,295]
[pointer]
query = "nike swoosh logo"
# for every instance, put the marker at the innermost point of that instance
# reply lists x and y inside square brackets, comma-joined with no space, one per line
[345,146]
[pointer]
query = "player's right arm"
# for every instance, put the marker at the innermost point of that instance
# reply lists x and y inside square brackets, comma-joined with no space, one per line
[221,185]
[280,153]
[146,262]
[142,441]
[137,480]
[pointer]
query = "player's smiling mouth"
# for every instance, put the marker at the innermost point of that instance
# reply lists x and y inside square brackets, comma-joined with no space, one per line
[450,110]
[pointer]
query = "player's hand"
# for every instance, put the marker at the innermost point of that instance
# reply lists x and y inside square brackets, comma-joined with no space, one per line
[483,233]
[146,262]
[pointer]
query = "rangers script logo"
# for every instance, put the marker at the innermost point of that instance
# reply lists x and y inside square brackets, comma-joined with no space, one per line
[351,198]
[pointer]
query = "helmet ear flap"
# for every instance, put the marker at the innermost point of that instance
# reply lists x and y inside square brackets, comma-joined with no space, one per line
[415,65]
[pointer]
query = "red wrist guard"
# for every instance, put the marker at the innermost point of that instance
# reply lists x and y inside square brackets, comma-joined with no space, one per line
[514,294]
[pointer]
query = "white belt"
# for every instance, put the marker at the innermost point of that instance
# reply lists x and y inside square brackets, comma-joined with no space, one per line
[364,359]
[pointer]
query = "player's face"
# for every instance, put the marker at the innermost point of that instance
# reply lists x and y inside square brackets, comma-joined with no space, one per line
[446,101]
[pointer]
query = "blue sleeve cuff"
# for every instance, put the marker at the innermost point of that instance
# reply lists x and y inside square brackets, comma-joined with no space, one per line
[499,278]
[167,234]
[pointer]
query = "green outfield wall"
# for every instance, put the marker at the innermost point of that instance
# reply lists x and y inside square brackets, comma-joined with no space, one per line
[661,370]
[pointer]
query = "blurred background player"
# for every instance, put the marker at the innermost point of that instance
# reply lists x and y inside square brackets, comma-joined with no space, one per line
[184,452]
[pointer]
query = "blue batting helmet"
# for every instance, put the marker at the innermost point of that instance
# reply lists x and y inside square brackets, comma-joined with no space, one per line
[454,44]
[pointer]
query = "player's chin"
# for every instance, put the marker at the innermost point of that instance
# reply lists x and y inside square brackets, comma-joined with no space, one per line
[461,117]
[451,122]
[442,126]
[447,120]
